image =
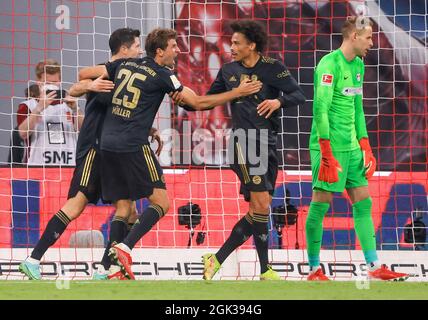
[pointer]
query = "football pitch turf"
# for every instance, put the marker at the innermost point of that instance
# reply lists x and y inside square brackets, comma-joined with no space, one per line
[210,290]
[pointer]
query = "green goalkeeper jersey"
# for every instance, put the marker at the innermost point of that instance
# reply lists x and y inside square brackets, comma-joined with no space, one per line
[338,108]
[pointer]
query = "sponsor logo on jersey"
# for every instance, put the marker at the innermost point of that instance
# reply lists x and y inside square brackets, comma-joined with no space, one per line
[232,79]
[58,157]
[175,81]
[326,79]
[350,91]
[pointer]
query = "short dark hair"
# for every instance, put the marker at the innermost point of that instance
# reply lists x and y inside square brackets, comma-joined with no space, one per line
[158,38]
[353,23]
[32,91]
[122,37]
[253,31]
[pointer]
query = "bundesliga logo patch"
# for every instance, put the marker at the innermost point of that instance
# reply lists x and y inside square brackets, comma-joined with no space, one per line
[327,79]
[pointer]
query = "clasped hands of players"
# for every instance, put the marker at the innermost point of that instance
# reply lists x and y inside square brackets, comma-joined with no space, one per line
[330,166]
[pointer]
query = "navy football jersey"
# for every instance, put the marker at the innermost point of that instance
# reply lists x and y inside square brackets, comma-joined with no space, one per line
[140,86]
[277,83]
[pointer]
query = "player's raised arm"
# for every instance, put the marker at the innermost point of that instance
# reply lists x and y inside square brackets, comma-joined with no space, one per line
[79,88]
[92,72]
[189,97]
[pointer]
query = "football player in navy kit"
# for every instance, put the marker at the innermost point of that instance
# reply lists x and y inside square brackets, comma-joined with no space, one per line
[256,122]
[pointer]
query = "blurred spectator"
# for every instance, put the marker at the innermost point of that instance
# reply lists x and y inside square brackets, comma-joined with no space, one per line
[49,120]
[17,148]
[17,144]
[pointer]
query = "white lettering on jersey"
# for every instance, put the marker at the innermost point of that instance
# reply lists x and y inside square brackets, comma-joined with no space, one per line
[175,81]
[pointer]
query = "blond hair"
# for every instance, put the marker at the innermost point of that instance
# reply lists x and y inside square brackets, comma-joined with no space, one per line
[353,23]
[49,66]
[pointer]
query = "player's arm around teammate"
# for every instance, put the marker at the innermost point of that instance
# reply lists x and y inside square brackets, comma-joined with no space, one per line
[190,98]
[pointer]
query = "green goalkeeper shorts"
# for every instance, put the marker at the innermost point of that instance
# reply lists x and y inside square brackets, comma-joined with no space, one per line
[352,175]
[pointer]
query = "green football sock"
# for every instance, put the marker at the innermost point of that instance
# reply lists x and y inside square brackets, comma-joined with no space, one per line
[317,211]
[364,228]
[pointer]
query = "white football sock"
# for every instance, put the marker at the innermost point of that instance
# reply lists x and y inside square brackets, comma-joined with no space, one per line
[32,260]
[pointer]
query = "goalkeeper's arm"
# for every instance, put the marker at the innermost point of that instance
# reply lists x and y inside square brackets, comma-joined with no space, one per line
[324,81]
[362,136]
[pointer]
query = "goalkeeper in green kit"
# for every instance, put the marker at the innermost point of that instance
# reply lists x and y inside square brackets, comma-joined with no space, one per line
[341,156]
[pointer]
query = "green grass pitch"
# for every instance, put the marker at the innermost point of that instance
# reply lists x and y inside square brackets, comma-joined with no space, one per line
[210,290]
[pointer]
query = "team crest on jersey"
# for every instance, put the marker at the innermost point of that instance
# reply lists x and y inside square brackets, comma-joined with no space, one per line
[175,81]
[257,180]
[358,77]
[245,77]
[326,79]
